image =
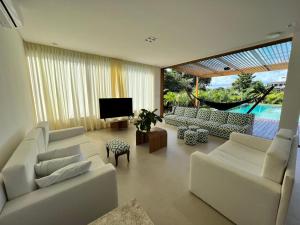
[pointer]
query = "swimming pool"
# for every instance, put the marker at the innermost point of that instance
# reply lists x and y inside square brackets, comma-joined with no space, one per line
[263,111]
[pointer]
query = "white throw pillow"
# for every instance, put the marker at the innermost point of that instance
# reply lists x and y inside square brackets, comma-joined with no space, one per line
[47,167]
[72,170]
[59,153]
[276,159]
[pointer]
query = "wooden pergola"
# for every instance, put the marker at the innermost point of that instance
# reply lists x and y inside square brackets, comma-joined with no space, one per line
[265,58]
[269,56]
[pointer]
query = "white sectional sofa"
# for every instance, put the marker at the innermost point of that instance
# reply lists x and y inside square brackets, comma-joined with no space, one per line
[76,201]
[218,123]
[248,179]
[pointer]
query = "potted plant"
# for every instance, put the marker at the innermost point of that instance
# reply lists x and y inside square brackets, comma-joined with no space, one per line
[143,124]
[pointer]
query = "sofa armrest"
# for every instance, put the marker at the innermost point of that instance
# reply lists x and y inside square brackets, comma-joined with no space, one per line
[61,134]
[258,143]
[79,200]
[235,193]
[247,129]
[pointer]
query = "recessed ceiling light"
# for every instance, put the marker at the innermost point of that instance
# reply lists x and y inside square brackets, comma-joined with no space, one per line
[274,35]
[151,39]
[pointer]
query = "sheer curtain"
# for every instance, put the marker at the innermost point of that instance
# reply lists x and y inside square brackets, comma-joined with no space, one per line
[139,81]
[67,85]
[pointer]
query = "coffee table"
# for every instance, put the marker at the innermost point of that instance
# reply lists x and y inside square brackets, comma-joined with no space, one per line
[156,137]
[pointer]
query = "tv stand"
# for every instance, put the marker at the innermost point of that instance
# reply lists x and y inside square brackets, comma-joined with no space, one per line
[119,124]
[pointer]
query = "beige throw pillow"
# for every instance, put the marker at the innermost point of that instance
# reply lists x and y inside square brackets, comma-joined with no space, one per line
[45,168]
[59,153]
[72,170]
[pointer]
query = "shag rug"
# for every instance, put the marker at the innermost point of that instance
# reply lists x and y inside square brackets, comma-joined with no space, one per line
[130,214]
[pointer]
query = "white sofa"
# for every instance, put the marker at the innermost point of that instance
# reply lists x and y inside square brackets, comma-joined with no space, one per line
[76,201]
[247,179]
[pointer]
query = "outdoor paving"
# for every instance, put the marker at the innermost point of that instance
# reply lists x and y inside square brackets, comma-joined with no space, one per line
[265,128]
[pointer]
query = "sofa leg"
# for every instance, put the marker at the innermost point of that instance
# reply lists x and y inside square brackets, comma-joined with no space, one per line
[128,153]
[107,152]
[116,158]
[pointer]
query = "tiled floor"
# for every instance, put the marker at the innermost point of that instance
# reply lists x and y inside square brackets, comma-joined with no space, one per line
[159,181]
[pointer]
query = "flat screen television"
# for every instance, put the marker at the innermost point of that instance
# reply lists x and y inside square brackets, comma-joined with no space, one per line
[115,107]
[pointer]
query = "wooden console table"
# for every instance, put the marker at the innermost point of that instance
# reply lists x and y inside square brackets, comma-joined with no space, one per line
[157,138]
[119,124]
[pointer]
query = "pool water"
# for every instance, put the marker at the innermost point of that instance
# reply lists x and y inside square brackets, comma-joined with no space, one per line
[262,111]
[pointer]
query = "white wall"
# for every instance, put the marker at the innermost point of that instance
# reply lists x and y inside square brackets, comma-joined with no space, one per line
[291,102]
[16,108]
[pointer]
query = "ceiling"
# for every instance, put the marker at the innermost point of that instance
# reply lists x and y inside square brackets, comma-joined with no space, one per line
[185,30]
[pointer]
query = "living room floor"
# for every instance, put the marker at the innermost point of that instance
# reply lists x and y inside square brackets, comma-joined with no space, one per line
[159,181]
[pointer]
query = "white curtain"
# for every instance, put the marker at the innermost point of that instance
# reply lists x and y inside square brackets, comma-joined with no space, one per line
[139,81]
[67,85]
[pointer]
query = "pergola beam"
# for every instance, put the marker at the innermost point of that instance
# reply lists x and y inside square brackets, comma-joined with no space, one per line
[197,73]
[260,59]
[230,65]
[205,67]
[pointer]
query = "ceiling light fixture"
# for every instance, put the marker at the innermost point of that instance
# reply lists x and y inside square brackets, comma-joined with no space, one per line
[151,39]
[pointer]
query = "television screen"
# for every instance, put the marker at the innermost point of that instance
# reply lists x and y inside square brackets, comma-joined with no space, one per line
[115,107]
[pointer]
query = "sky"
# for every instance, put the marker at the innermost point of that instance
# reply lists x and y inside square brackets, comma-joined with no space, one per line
[265,77]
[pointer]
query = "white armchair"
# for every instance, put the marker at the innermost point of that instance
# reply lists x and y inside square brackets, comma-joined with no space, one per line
[234,179]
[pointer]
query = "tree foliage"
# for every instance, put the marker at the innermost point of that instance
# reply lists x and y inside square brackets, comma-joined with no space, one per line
[243,87]
[243,82]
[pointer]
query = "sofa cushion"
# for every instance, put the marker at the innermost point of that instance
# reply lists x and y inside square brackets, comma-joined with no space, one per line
[190,112]
[59,153]
[170,117]
[285,133]
[18,173]
[45,128]
[218,116]
[179,111]
[68,142]
[203,114]
[210,124]
[195,121]
[276,159]
[240,157]
[238,119]
[70,171]
[233,128]
[36,134]
[47,167]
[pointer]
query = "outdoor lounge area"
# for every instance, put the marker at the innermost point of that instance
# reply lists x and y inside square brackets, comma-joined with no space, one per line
[149,112]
